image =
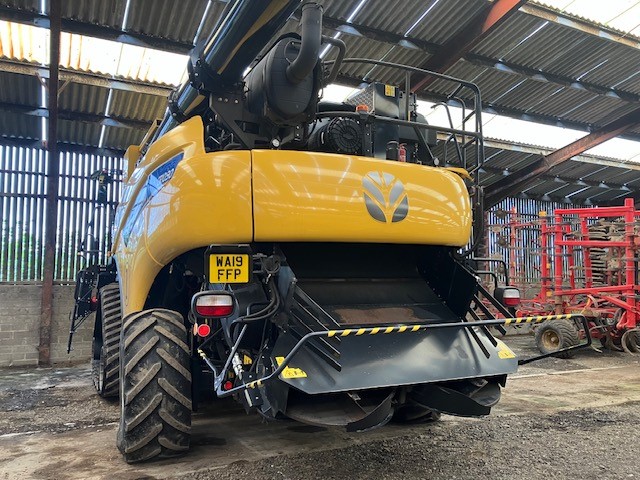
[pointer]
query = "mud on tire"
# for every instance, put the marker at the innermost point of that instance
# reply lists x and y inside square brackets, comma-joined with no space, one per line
[554,335]
[155,386]
[105,364]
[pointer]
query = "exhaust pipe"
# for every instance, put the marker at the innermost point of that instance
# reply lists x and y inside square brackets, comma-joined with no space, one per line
[305,62]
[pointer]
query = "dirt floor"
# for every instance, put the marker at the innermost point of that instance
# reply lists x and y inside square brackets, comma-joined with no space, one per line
[558,419]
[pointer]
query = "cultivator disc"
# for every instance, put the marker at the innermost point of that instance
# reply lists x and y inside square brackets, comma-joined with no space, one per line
[630,341]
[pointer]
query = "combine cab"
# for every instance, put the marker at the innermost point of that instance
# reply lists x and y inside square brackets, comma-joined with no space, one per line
[310,259]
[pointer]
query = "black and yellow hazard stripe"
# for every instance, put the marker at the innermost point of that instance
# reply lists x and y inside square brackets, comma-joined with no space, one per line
[375,330]
[536,319]
[254,384]
[414,328]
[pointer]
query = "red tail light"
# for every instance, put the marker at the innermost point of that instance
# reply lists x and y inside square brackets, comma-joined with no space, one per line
[213,305]
[203,330]
[507,296]
[511,297]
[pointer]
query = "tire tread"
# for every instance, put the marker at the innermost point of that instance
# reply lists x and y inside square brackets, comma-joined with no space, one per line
[155,382]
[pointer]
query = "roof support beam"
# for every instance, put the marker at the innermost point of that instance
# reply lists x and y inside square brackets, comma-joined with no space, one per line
[569,199]
[98,31]
[85,78]
[509,185]
[53,172]
[550,14]
[586,158]
[62,147]
[540,76]
[107,121]
[562,181]
[490,18]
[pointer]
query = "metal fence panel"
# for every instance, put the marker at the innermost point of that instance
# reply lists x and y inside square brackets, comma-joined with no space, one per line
[22,210]
[521,250]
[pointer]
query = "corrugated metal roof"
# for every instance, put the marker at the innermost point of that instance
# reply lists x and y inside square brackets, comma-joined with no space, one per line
[508,35]
[80,52]
[529,93]
[596,110]
[341,9]
[445,19]
[215,13]
[621,16]
[378,13]
[100,12]
[29,5]
[137,106]
[24,42]
[166,18]
[560,50]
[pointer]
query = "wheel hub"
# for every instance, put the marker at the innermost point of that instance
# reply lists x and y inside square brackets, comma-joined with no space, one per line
[550,340]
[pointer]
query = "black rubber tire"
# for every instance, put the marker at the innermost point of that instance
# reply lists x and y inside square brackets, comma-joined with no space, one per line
[565,333]
[412,413]
[106,349]
[155,386]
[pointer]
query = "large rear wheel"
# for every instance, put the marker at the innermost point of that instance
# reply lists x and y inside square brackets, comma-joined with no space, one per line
[105,365]
[155,386]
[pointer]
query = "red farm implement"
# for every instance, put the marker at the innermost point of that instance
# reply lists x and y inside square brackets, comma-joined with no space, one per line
[576,261]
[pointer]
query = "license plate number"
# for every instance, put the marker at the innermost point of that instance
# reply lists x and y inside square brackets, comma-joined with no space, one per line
[229,268]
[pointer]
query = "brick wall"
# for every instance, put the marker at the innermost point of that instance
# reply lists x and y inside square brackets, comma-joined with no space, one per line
[19,321]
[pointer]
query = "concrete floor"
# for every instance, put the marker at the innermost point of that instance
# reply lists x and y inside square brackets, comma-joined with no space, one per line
[53,426]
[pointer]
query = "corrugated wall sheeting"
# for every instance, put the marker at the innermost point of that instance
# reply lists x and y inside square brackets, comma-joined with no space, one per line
[83,98]
[17,125]
[22,209]
[22,190]
[19,89]
[137,106]
[122,138]
[79,133]
[80,219]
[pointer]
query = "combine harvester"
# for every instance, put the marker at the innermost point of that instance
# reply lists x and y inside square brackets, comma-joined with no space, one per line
[305,257]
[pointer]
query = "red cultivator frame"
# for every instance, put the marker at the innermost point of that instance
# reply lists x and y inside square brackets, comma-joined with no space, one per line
[587,262]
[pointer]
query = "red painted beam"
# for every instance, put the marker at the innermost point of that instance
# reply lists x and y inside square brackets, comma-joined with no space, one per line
[517,181]
[487,20]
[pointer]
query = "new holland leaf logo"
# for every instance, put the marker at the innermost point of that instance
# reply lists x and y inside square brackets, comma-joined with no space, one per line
[385,197]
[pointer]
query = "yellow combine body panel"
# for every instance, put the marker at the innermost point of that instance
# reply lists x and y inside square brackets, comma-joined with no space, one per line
[207,200]
[180,198]
[324,197]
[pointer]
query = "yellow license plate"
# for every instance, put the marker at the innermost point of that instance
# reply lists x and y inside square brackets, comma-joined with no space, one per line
[229,268]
